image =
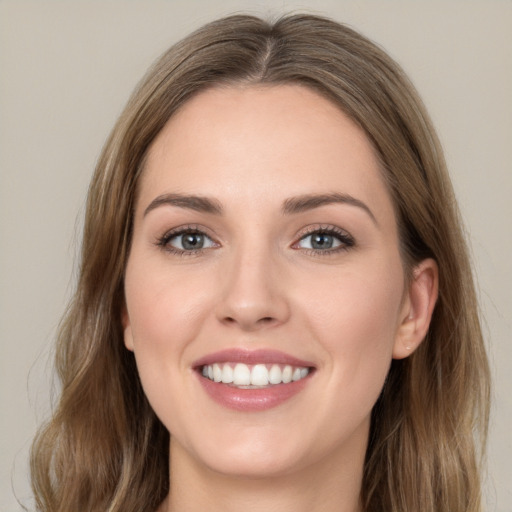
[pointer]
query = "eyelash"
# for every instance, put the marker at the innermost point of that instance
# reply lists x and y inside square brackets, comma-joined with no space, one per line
[164,241]
[345,239]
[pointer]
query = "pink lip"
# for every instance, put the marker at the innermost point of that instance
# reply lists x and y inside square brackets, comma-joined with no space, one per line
[263,356]
[248,400]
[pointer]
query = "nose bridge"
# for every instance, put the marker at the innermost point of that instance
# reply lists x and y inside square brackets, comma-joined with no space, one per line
[253,293]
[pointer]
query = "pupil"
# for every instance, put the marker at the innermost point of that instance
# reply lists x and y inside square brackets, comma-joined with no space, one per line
[322,241]
[193,241]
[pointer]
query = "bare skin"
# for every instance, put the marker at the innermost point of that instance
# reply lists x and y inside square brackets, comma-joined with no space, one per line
[263,223]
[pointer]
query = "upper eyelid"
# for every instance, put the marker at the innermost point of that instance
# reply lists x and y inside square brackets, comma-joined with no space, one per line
[302,233]
[188,228]
[343,235]
[327,228]
[163,242]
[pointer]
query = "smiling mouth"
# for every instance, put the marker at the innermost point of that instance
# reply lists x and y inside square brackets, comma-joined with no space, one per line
[252,380]
[253,376]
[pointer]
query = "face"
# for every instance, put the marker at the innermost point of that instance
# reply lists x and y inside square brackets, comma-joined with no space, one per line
[265,293]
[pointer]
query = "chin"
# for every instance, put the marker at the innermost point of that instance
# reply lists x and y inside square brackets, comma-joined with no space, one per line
[256,456]
[257,466]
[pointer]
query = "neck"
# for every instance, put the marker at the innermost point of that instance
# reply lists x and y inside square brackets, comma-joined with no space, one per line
[325,486]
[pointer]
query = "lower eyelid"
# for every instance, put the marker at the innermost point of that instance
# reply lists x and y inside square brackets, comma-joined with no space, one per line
[344,238]
[164,241]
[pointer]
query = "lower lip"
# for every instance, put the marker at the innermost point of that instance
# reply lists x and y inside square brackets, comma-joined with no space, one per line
[248,400]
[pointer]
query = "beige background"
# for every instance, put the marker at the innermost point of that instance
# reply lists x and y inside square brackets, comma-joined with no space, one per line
[66,69]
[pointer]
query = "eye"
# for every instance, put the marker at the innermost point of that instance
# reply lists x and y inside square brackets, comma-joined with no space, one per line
[186,241]
[325,240]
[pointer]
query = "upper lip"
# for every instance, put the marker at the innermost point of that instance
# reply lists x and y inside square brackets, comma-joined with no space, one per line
[258,356]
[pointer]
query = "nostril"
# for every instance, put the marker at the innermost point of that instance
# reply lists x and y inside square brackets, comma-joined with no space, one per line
[266,320]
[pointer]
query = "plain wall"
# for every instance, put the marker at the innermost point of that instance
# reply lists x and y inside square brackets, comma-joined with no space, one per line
[66,70]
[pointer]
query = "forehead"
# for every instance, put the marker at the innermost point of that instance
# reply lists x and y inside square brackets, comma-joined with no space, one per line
[257,142]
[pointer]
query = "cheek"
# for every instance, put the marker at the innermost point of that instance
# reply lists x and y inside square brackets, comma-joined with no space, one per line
[356,320]
[165,314]
[164,308]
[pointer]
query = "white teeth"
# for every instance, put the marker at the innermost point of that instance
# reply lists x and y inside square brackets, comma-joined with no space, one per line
[227,374]
[217,373]
[275,375]
[259,375]
[241,375]
[287,374]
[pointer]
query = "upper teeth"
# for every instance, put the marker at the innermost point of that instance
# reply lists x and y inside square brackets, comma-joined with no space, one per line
[240,374]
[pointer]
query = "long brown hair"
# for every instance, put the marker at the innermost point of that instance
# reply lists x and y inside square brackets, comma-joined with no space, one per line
[105,450]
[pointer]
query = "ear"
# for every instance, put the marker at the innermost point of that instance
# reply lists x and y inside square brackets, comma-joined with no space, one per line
[417,309]
[127,329]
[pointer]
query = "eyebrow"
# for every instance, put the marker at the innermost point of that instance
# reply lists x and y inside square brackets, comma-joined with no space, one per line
[311,201]
[290,206]
[196,203]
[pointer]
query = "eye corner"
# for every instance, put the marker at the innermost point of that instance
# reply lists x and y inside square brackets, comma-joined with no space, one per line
[331,240]
[199,241]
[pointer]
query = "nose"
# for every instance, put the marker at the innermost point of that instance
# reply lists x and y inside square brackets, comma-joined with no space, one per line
[253,293]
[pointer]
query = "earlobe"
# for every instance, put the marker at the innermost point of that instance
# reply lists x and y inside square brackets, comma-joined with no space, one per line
[418,308]
[127,329]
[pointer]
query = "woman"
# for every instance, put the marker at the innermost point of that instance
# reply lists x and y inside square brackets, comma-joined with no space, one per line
[275,307]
